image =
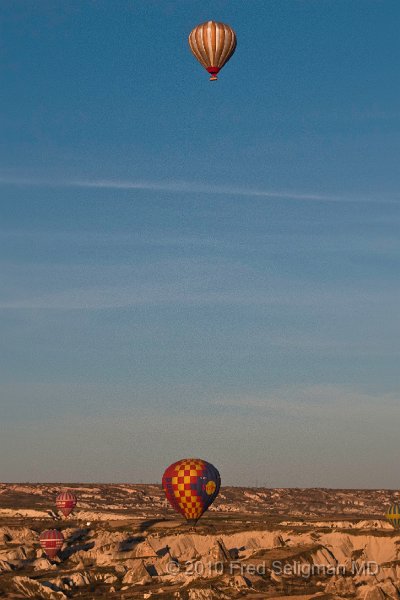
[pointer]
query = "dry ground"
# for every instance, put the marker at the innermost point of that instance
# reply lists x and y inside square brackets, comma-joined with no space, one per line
[123,541]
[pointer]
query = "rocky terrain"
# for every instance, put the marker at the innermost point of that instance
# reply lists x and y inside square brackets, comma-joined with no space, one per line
[123,541]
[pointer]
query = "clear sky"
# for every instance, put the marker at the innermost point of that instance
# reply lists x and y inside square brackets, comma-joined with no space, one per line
[200,269]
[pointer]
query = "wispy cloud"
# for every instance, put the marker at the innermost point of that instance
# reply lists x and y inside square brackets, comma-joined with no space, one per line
[199,188]
[189,281]
[175,293]
[187,187]
[85,237]
[320,401]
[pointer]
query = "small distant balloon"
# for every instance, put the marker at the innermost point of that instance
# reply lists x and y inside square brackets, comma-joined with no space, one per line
[51,542]
[213,44]
[191,486]
[393,515]
[66,502]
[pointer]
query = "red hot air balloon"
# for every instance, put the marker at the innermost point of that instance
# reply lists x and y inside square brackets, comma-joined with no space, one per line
[66,502]
[51,542]
[191,486]
[213,44]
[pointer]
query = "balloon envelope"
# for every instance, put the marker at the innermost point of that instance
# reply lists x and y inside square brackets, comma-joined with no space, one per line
[213,44]
[51,542]
[393,515]
[191,486]
[66,502]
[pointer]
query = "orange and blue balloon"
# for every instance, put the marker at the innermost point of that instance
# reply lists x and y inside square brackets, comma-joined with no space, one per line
[191,486]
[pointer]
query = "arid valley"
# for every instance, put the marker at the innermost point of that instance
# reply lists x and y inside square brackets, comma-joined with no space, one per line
[124,541]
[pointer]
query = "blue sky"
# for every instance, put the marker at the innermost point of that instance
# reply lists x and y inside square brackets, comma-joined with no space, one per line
[200,269]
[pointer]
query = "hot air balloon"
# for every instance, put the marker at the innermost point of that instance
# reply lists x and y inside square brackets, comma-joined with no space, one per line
[191,486]
[393,515]
[51,542]
[213,44]
[66,502]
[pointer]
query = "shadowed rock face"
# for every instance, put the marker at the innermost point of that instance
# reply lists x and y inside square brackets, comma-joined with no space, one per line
[123,541]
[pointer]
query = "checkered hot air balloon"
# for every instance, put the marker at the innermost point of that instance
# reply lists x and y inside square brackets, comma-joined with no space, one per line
[191,486]
[66,502]
[51,542]
[213,44]
[393,515]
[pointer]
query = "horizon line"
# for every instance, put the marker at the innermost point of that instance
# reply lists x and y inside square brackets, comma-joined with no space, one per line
[258,487]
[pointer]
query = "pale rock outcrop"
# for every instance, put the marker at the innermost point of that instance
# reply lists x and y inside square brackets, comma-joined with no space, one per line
[107,578]
[79,579]
[384,573]
[238,582]
[144,549]
[126,565]
[82,558]
[389,589]
[323,557]
[61,583]
[342,586]
[30,588]
[14,554]
[225,508]
[4,535]
[43,564]
[24,512]
[121,569]
[370,592]
[371,547]
[278,541]
[5,566]
[137,575]
[217,553]
[201,594]
[165,565]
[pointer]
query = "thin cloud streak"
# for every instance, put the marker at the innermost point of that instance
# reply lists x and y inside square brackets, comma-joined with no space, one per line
[311,398]
[183,187]
[169,294]
[198,188]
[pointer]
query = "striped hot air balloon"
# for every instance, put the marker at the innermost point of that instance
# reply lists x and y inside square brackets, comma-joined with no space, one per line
[66,502]
[393,515]
[213,44]
[191,486]
[51,542]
